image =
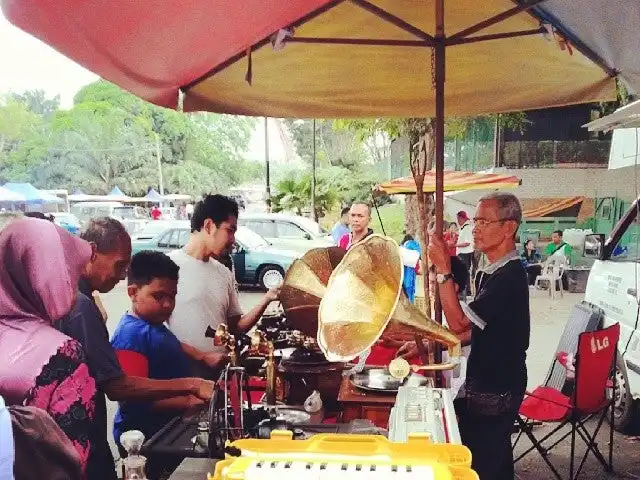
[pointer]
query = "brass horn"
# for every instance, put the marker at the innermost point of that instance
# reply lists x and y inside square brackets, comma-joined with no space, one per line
[305,285]
[363,302]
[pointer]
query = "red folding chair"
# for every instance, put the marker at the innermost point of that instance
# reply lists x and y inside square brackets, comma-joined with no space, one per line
[592,398]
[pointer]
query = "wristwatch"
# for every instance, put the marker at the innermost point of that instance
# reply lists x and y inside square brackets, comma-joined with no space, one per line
[443,277]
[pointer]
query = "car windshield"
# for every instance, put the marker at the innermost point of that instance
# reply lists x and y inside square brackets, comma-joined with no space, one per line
[250,239]
[313,227]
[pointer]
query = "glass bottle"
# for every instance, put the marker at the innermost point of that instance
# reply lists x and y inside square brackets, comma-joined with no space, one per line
[134,464]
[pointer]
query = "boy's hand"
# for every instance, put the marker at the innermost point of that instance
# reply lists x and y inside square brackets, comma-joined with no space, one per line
[215,359]
[202,391]
[194,405]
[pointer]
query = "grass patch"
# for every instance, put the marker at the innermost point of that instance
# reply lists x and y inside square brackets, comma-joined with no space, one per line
[392,216]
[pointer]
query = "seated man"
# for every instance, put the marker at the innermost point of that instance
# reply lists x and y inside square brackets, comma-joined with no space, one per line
[560,248]
[145,347]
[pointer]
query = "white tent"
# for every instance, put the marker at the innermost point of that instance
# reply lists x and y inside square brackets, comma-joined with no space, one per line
[8,196]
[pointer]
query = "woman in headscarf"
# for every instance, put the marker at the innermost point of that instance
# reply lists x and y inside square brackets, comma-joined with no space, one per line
[41,367]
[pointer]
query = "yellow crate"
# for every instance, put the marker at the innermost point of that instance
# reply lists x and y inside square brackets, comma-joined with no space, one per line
[357,452]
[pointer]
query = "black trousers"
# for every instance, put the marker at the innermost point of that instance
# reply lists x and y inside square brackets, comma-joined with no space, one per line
[532,273]
[469,260]
[489,439]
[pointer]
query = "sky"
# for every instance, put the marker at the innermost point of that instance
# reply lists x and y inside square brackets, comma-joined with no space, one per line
[29,64]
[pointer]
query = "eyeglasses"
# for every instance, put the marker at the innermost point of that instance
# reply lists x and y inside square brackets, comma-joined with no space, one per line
[482,223]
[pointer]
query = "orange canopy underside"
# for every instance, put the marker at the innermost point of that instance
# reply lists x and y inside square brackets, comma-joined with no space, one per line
[453,181]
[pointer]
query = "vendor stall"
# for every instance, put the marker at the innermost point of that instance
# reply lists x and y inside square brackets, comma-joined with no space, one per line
[345,59]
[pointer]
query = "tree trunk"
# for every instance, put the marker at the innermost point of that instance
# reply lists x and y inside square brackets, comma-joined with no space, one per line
[411,223]
[424,245]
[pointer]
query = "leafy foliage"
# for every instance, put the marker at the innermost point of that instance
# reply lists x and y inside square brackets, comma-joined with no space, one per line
[111,137]
[294,195]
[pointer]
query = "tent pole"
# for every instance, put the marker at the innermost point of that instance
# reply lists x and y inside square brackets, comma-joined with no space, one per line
[439,61]
[314,215]
[266,163]
[439,74]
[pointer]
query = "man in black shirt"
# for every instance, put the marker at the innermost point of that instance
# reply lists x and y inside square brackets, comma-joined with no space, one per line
[499,321]
[111,255]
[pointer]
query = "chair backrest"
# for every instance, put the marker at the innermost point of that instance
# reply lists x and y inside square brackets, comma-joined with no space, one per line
[596,357]
[584,318]
[555,265]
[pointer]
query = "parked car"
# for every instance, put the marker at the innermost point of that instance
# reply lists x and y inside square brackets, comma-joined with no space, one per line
[68,221]
[155,228]
[85,211]
[287,231]
[256,262]
[134,218]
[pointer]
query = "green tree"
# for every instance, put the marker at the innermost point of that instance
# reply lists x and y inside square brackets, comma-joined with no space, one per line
[37,102]
[22,133]
[110,137]
[334,147]
[294,195]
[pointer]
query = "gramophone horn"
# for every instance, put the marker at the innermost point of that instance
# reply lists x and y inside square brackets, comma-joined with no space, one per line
[304,286]
[364,301]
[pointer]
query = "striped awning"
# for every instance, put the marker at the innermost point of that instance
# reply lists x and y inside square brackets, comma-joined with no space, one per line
[552,207]
[453,181]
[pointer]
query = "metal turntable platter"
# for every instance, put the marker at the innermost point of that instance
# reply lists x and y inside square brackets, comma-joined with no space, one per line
[380,380]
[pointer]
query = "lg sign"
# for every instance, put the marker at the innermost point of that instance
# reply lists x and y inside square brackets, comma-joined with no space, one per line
[597,344]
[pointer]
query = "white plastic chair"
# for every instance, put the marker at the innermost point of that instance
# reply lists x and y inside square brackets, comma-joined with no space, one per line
[552,271]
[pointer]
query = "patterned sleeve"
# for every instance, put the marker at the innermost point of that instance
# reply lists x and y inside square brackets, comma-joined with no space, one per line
[66,391]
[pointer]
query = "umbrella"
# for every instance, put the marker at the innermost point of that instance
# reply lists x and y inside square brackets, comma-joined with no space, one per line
[350,58]
[332,58]
[31,194]
[453,181]
[154,196]
[7,195]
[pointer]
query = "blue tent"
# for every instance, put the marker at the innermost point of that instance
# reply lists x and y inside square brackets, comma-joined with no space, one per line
[116,192]
[154,196]
[32,195]
[77,191]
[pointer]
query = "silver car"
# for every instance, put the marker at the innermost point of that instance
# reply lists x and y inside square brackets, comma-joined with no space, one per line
[288,232]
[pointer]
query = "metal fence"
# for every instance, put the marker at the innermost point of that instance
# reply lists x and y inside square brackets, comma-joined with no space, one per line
[474,155]
[556,154]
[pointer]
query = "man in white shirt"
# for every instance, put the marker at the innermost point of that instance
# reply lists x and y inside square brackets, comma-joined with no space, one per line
[207,296]
[464,247]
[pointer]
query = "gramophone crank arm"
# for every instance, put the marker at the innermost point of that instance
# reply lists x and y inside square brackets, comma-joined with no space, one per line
[399,368]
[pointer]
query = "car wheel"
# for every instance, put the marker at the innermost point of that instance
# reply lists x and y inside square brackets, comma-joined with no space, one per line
[624,405]
[270,276]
